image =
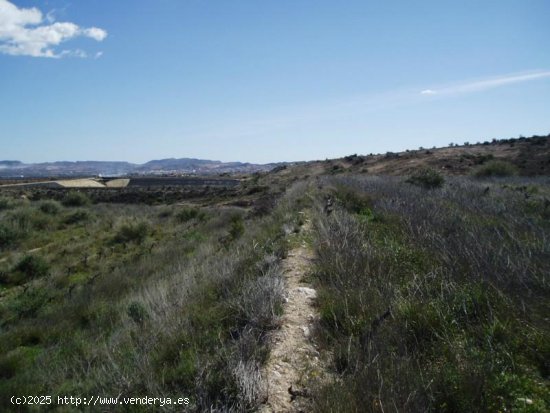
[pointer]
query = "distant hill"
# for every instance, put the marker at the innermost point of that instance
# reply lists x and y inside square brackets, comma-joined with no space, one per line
[11,168]
[200,166]
[9,164]
[531,156]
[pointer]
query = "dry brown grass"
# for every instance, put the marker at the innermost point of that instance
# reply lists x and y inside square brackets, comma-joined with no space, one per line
[80,183]
[117,183]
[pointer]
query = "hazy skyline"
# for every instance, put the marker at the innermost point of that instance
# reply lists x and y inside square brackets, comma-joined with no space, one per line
[266,81]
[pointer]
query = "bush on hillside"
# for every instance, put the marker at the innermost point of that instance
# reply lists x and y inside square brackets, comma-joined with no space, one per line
[30,267]
[5,203]
[76,217]
[351,199]
[427,178]
[132,232]
[495,168]
[187,214]
[8,236]
[50,207]
[75,198]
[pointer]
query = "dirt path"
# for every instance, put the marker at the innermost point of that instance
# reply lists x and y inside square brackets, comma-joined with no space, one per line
[293,359]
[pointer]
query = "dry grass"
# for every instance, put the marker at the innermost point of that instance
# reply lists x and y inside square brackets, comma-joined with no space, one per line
[435,300]
[117,183]
[138,301]
[80,183]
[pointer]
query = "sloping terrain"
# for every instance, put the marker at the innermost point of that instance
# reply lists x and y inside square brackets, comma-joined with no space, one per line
[530,155]
[425,292]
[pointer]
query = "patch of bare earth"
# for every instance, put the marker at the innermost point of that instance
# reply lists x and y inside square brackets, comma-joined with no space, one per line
[80,183]
[294,361]
[117,183]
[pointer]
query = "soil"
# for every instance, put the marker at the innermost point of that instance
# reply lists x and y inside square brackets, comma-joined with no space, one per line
[293,360]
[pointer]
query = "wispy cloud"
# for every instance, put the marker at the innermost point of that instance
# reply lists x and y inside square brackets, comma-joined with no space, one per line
[485,84]
[26,32]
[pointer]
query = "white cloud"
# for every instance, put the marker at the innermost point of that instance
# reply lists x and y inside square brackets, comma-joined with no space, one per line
[26,32]
[95,33]
[481,85]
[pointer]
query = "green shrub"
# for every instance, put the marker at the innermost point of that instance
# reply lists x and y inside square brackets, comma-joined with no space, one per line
[75,198]
[236,228]
[50,207]
[137,312]
[20,223]
[5,203]
[15,360]
[76,217]
[165,213]
[352,199]
[8,236]
[30,267]
[132,232]
[495,168]
[427,178]
[187,214]
[28,219]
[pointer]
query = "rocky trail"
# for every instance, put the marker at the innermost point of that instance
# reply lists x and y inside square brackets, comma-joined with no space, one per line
[294,359]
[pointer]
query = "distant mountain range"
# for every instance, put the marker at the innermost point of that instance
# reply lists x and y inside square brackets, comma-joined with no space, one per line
[155,167]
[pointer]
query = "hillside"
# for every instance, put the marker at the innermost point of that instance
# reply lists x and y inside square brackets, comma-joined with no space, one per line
[530,155]
[315,287]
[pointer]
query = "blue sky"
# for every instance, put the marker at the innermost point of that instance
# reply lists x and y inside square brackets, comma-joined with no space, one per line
[266,81]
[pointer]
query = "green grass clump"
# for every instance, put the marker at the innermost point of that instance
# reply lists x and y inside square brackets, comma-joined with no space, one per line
[76,199]
[76,217]
[27,219]
[236,228]
[137,312]
[187,214]
[132,232]
[50,207]
[352,200]
[28,268]
[9,235]
[495,168]
[21,223]
[427,178]
[6,203]
[16,360]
